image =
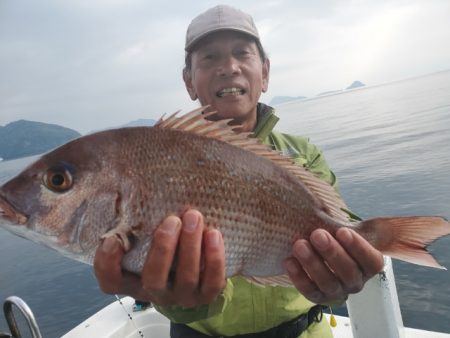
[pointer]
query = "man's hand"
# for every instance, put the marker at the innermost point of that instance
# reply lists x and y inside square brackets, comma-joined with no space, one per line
[326,269]
[199,270]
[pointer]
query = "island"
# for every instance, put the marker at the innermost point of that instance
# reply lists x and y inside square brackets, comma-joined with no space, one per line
[26,138]
[355,84]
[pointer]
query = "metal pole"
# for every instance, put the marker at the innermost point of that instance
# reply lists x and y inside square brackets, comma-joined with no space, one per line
[375,311]
[27,313]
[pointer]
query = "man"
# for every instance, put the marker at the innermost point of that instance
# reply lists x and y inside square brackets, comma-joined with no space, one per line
[227,69]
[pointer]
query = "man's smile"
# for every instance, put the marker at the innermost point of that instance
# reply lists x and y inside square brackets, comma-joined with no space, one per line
[230,91]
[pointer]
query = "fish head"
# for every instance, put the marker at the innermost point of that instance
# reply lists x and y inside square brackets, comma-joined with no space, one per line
[66,200]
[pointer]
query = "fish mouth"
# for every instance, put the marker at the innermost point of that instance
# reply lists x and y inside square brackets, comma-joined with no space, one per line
[9,213]
[231,91]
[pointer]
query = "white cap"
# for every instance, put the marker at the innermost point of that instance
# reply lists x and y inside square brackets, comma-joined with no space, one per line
[219,18]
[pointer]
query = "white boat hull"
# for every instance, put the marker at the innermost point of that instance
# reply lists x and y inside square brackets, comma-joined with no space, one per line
[113,322]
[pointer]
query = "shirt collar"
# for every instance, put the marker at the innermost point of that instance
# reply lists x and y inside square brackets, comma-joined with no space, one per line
[265,121]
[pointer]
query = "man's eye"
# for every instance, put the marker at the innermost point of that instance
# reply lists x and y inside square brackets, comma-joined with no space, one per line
[243,52]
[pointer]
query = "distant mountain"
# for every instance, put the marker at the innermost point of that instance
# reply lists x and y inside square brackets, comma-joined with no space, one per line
[25,138]
[355,84]
[283,99]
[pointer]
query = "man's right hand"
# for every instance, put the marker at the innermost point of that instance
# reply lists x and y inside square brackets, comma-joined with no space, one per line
[199,271]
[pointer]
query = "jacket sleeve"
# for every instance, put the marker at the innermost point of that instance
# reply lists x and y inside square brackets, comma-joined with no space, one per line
[317,164]
[304,154]
[308,155]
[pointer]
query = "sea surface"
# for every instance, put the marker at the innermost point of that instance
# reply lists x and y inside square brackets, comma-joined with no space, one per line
[389,145]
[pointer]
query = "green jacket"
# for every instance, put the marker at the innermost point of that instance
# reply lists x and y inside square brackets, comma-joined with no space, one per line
[244,307]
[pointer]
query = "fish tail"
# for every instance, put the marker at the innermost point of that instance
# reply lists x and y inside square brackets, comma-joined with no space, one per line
[405,238]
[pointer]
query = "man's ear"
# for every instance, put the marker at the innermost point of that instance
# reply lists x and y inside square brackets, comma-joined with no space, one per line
[187,78]
[265,74]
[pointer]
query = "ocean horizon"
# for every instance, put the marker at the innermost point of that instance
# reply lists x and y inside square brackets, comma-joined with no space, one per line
[389,146]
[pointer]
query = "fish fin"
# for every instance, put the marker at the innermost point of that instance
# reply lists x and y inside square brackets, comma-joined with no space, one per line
[185,122]
[406,238]
[333,204]
[120,236]
[196,122]
[280,280]
[163,123]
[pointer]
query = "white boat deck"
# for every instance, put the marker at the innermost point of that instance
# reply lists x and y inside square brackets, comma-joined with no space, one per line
[380,317]
[110,323]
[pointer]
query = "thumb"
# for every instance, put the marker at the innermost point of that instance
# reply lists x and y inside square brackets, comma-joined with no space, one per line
[107,264]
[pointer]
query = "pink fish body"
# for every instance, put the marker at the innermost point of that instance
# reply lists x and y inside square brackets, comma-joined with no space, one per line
[124,182]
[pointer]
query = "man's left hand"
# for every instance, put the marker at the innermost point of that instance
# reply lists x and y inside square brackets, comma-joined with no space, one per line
[326,269]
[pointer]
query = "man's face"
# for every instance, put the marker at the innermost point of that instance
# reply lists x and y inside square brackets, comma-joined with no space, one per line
[228,74]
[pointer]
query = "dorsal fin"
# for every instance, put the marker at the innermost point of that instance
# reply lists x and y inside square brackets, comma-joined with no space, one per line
[195,122]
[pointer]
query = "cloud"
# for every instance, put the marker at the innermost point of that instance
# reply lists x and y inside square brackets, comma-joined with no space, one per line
[92,64]
[375,42]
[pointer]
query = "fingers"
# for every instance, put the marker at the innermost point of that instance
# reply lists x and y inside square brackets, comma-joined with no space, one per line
[345,269]
[155,273]
[188,263]
[302,282]
[107,265]
[189,245]
[213,279]
[200,264]
[320,274]
[327,269]
[109,274]
[369,259]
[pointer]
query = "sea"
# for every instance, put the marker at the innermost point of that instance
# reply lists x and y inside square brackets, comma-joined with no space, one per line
[388,144]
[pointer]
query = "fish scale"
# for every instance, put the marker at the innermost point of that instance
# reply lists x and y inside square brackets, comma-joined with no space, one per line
[171,174]
[133,178]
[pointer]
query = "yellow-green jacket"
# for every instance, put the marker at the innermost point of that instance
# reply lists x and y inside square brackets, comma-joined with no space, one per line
[244,307]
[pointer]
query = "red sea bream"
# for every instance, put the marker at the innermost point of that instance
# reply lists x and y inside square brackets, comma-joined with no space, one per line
[124,182]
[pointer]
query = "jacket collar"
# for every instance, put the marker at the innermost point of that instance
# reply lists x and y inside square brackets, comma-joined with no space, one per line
[265,121]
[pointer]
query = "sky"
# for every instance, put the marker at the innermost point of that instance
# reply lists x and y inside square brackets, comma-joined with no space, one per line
[93,64]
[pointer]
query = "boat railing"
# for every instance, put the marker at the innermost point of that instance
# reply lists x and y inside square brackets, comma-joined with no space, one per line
[26,312]
[375,311]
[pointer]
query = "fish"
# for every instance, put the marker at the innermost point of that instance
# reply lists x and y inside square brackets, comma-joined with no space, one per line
[124,182]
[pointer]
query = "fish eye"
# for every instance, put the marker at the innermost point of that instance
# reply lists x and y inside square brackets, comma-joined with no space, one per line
[58,180]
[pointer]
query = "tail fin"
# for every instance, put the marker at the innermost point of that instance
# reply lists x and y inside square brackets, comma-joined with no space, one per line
[405,238]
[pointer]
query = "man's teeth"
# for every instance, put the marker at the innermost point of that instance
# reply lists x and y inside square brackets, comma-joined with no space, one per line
[230,91]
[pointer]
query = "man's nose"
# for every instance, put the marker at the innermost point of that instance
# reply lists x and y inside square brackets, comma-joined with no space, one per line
[229,66]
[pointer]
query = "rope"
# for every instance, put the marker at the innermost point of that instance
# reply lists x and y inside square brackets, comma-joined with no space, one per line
[130,317]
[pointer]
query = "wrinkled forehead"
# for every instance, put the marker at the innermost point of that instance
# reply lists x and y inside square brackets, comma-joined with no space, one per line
[217,39]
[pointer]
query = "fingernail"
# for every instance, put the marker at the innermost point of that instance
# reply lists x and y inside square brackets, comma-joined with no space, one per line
[291,267]
[109,245]
[320,240]
[213,238]
[170,225]
[345,236]
[190,221]
[301,250]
